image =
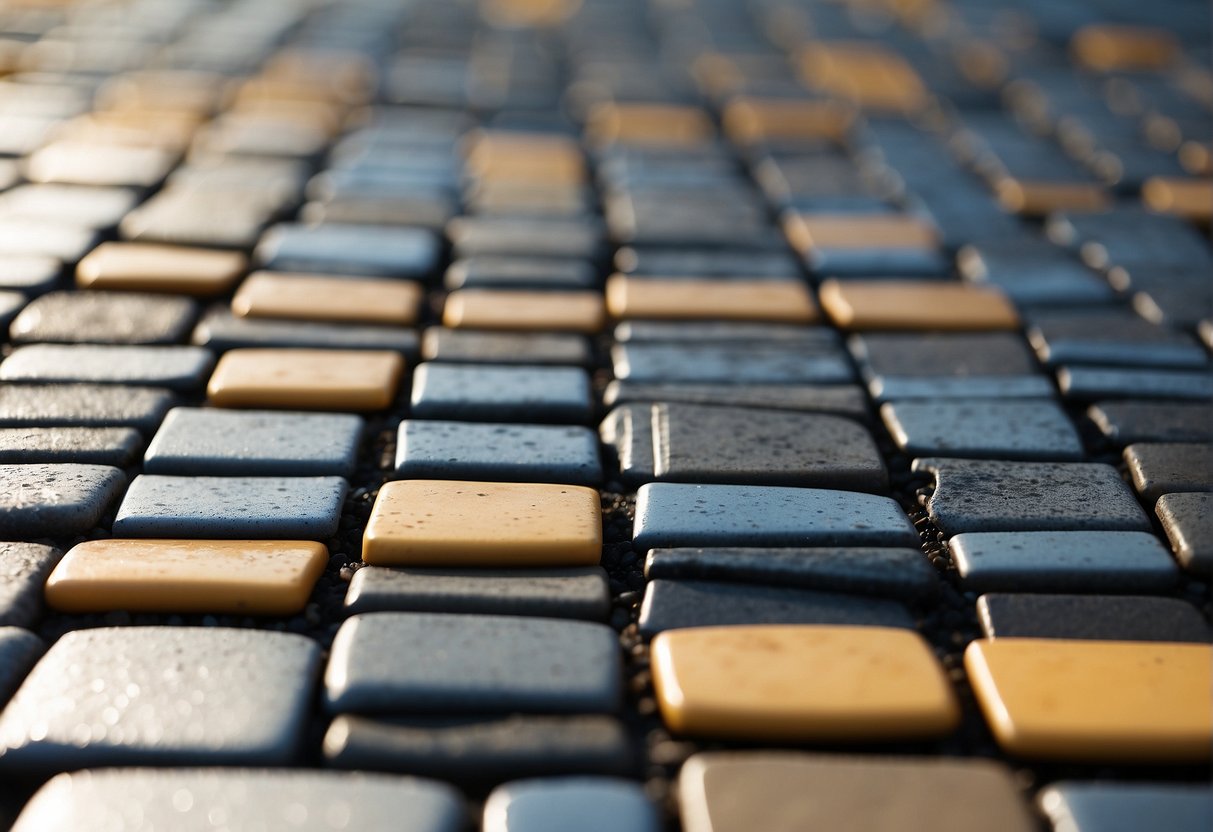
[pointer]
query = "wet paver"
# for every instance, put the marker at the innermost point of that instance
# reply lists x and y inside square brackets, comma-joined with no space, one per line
[470,346]
[221,330]
[104,318]
[83,405]
[1098,617]
[1126,422]
[730,363]
[486,392]
[349,249]
[494,451]
[1169,468]
[985,429]
[49,499]
[1092,383]
[1113,339]
[1187,520]
[93,446]
[175,368]
[24,568]
[965,366]
[842,399]
[557,803]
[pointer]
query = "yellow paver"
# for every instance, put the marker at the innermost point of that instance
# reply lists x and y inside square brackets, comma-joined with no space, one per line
[1036,198]
[526,311]
[916,305]
[1112,48]
[841,231]
[680,299]
[149,267]
[667,125]
[354,380]
[325,298]
[1190,198]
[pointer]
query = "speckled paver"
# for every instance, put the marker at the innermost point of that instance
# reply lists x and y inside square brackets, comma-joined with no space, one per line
[485,392]
[83,405]
[520,272]
[467,346]
[1125,422]
[24,568]
[306,508]
[245,800]
[985,429]
[43,500]
[474,236]
[1087,561]
[493,451]
[736,363]
[114,696]
[94,446]
[1090,383]
[672,515]
[220,330]
[411,663]
[254,443]
[894,573]
[693,443]
[177,368]
[575,592]
[29,273]
[1169,468]
[482,749]
[1115,338]
[1076,806]
[988,496]
[349,249]
[843,399]
[1096,617]
[19,649]
[670,605]
[104,318]
[1187,520]
[561,803]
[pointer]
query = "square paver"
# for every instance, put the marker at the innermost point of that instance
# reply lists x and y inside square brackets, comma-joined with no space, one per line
[45,500]
[349,249]
[149,267]
[1097,617]
[104,318]
[560,802]
[493,451]
[220,330]
[313,297]
[92,446]
[486,392]
[306,379]
[176,368]
[985,429]
[23,571]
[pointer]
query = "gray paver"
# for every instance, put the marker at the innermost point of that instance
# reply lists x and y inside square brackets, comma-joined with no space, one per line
[488,236]
[254,442]
[24,568]
[706,262]
[843,399]
[520,273]
[486,392]
[104,318]
[1033,275]
[994,496]
[349,249]
[221,330]
[1161,468]
[409,663]
[560,803]
[94,446]
[716,331]
[493,451]
[968,366]
[19,649]
[177,368]
[195,800]
[1187,520]
[579,592]
[29,274]
[730,363]
[1090,383]
[1125,422]
[83,405]
[478,347]
[984,429]
[299,508]
[1112,338]
[48,238]
[671,515]
[1087,561]
[1098,617]
[113,696]
[90,207]
[1126,807]
[46,499]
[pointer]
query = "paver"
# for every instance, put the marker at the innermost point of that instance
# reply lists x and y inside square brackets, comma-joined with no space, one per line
[413,663]
[19,649]
[1099,617]
[1092,383]
[306,379]
[31,274]
[176,368]
[97,208]
[526,311]
[1090,701]
[1111,338]
[74,162]
[1035,274]
[807,683]
[985,429]
[594,804]
[349,249]
[487,392]
[701,262]
[83,405]
[520,272]
[1126,422]
[785,791]
[245,799]
[841,244]
[1159,468]
[38,500]
[730,364]
[1187,520]
[241,577]
[482,347]
[677,515]
[686,298]
[241,698]
[104,318]
[217,442]
[150,267]
[1121,807]
[521,236]
[45,238]
[23,571]
[304,508]
[910,305]
[843,399]
[93,446]
[220,330]
[495,451]
[712,331]
[322,298]
[991,496]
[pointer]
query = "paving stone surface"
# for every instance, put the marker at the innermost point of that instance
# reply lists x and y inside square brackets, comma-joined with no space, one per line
[674,604]
[991,496]
[349,249]
[176,368]
[482,749]
[914,305]
[29,274]
[716,331]
[24,568]
[494,451]
[241,698]
[485,392]
[220,330]
[729,364]
[579,239]
[313,297]
[890,572]
[985,429]
[412,663]
[104,318]
[1098,617]
[19,649]
[301,508]
[1033,275]
[47,238]
[686,298]
[573,592]
[44,499]
[693,443]
[215,442]
[93,446]
[672,515]
[1092,383]
[149,267]
[83,405]
[1126,422]
[1112,338]
[519,310]
[842,399]
[702,262]
[1121,807]
[297,379]
[558,803]
[244,799]
[521,272]
[1086,561]
[1169,468]
[1187,520]
[474,347]
[786,790]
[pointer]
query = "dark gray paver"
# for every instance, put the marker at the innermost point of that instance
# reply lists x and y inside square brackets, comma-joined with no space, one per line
[60,500]
[1126,422]
[19,649]
[730,363]
[29,274]
[670,605]
[994,496]
[94,446]
[104,318]
[254,443]
[1187,520]
[24,568]
[578,592]
[1115,338]
[696,443]
[1090,383]
[1098,617]
[115,696]
[520,272]
[482,749]
[410,663]
[1087,561]
[486,392]
[478,347]
[297,508]
[1033,274]
[177,368]
[241,799]
[1075,806]
[895,573]
[843,399]
[349,249]
[1161,468]
[581,239]
[83,405]
[596,804]
[673,515]
[492,451]
[220,330]
[985,429]
[715,331]
[701,262]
